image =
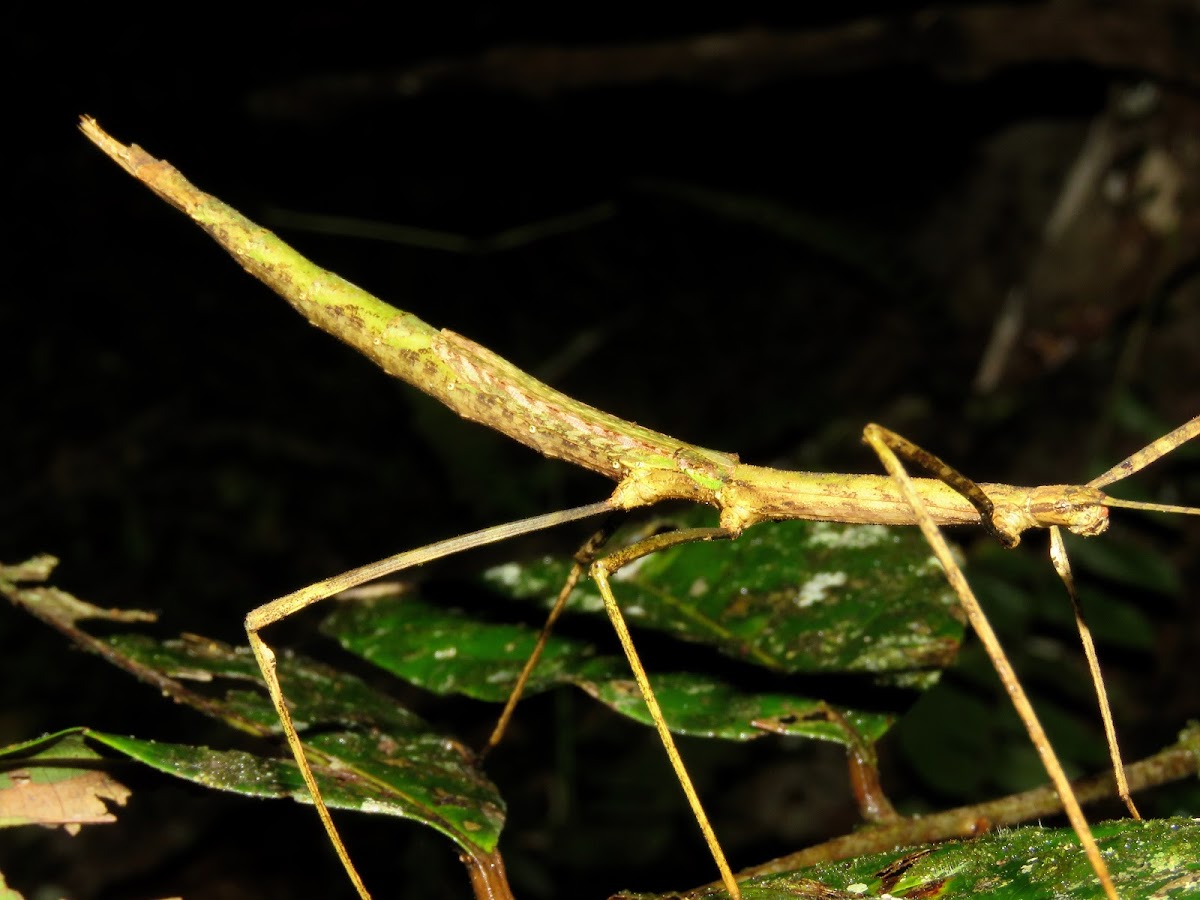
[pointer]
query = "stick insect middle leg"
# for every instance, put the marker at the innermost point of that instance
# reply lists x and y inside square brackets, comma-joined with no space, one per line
[601,570]
[582,561]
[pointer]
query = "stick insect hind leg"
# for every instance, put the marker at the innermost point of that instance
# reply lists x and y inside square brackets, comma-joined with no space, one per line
[277,610]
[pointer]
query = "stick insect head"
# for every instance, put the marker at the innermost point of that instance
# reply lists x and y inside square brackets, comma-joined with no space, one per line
[1079,509]
[1083,510]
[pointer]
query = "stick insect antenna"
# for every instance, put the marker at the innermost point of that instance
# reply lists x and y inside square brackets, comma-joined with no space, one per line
[1152,507]
[1148,454]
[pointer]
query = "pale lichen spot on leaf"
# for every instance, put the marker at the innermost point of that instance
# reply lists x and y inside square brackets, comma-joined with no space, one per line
[698,588]
[369,805]
[817,588]
[627,572]
[506,574]
[827,534]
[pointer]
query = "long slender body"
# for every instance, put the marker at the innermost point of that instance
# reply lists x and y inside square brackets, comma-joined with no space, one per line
[647,465]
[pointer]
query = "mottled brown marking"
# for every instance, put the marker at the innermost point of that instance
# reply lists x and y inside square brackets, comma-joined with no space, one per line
[891,874]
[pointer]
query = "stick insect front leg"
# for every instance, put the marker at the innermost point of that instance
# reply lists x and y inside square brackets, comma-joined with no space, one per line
[883,443]
[1058,555]
[1062,565]
[277,610]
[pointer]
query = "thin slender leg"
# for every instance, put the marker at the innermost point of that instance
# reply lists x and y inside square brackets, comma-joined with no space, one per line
[280,609]
[880,440]
[1058,556]
[601,570]
[583,559]
[1062,565]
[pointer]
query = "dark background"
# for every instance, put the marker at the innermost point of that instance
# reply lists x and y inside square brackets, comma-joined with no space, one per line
[794,223]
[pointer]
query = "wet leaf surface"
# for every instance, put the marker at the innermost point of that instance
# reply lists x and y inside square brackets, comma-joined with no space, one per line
[1158,859]
[795,597]
[792,596]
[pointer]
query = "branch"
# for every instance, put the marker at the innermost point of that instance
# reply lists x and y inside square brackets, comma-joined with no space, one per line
[1171,764]
[958,44]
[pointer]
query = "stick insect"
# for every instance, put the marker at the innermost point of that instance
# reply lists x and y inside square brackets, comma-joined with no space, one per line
[649,467]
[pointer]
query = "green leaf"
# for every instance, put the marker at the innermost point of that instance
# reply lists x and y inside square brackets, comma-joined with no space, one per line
[423,776]
[797,596]
[391,762]
[1146,859]
[368,753]
[447,651]
[376,756]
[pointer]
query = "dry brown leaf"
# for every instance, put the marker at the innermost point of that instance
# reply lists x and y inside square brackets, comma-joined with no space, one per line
[71,799]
